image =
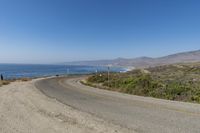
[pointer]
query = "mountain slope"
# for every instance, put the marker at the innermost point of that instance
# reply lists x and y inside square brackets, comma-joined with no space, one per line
[192,56]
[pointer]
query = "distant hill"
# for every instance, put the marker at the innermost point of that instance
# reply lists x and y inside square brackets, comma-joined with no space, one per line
[184,57]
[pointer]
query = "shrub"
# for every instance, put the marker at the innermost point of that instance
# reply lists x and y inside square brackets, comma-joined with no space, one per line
[174,82]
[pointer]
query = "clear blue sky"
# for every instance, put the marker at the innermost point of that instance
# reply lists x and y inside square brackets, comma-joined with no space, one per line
[49,31]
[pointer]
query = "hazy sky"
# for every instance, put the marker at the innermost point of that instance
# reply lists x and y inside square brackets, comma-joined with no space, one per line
[50,31]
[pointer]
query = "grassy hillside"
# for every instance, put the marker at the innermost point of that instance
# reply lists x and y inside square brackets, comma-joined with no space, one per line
[175,82]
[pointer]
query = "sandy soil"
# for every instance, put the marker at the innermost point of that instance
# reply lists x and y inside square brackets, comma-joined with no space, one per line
[24,109]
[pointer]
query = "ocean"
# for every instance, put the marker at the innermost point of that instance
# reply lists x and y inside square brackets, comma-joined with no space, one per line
[14,71]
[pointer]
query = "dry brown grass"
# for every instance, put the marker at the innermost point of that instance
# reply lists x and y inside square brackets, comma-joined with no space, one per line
[5,82]
[25,79]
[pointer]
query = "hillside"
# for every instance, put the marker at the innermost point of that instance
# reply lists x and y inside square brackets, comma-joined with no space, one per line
[175,82]
[192,56]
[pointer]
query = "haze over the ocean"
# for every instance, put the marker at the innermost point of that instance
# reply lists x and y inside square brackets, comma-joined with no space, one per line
[51,31]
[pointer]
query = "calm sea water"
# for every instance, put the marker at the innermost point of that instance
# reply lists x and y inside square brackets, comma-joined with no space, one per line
[11,71]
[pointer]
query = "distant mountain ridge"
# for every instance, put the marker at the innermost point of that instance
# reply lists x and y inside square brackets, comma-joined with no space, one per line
[184,57]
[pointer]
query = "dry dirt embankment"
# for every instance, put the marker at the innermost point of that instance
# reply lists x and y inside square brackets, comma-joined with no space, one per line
[24,109]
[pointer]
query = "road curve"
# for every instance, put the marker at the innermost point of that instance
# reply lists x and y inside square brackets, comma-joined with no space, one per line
[140,114]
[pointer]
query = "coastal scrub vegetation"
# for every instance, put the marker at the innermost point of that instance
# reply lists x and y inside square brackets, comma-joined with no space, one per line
[179,82]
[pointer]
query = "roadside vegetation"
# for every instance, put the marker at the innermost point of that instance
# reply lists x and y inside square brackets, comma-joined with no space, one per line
[6,82]
[179,82]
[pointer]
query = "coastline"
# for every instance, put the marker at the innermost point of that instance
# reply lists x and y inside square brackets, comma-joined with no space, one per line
[13,71]
[128,69]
